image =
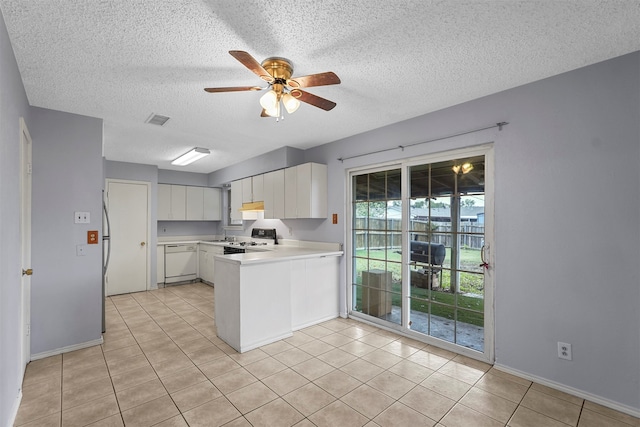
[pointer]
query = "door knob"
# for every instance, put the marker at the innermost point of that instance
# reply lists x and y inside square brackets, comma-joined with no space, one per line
[142,243]
[27,272]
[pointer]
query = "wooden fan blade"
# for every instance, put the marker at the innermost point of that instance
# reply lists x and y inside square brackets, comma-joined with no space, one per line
[312,99]
[231,89]
[249,61]
[321,79]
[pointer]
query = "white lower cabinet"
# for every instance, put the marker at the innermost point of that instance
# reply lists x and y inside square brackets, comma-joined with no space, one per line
[260,303]
[206,261]
[314,291]
[160,264]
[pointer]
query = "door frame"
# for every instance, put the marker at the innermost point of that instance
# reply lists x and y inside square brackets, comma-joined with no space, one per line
[148,185]
[26,183]
[486,150]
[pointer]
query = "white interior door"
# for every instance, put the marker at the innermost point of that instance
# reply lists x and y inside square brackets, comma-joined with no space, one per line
[25,234]
[128,206]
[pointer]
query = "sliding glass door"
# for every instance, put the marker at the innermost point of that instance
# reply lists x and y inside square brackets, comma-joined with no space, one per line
[419,246]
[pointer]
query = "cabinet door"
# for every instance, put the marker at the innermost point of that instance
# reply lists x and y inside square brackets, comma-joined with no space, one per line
[195,203]
[269,208]
[247,190]
[278,194]
[303,190]
[160,264]
[164,202]
[178,202]
[311,190]
[212,205]
[202,262]
[236,200]
[290,193]
[257,186]
[318,190]
[210,266]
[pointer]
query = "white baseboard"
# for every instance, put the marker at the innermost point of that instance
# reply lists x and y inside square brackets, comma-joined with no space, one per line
[314,322]
[66,349]
[635,412]
[14,409]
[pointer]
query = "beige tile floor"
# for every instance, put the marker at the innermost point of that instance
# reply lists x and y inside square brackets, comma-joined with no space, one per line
[162,364]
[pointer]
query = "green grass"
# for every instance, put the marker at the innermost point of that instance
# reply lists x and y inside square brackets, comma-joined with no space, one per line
[440,302]
[390,260]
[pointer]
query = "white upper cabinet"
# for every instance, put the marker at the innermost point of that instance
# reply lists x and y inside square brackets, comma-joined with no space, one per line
[290,193]
[247,190]
[253,189]
[274,195]
[171,202]
[295,192]
[236,200]
[164,202]
[203,204]
[180,202]
[195,203]
[257,186]
[306,191]
[212,204]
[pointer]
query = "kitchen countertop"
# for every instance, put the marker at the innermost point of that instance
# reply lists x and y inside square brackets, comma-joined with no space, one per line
[265,254]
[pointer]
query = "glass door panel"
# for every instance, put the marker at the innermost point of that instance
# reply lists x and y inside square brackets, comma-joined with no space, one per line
[377,241]
[420,266]
[446,235]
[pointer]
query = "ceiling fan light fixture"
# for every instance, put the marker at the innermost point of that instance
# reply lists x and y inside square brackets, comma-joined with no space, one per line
[291,104]
[269,100]
[273,111]
[191,156]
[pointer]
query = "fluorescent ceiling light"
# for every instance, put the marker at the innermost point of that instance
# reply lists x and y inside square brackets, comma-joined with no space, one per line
[191,156]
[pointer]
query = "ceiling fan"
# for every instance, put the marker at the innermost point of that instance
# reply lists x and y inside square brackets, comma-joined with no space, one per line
[282,89]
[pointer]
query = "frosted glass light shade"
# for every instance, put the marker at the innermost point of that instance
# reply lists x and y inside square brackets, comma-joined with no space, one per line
[290,103]
[269,100]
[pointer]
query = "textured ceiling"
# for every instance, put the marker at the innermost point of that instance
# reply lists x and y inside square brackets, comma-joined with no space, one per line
[122,60]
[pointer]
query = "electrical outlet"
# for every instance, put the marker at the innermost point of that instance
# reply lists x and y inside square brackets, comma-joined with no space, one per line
[564,351]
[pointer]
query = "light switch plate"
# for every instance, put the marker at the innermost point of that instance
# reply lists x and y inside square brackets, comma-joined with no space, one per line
[82,217]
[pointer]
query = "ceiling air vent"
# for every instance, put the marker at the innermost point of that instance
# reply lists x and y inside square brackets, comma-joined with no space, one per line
[157,119]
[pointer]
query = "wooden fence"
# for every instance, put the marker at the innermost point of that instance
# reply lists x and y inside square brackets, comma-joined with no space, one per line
[378,233]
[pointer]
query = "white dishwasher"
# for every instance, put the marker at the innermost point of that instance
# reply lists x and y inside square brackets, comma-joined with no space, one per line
[180,263]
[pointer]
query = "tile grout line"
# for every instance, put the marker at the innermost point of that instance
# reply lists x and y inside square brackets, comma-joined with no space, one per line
[147,299]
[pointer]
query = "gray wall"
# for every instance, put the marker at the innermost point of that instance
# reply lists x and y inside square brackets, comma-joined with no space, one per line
[273,160]
[66,292]
[13,105]
[567,211]
[183,178]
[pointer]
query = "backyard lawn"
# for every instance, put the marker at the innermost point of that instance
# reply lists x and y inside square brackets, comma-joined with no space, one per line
[440,302]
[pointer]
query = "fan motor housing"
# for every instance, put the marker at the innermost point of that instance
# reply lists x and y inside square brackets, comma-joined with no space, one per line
[279,68]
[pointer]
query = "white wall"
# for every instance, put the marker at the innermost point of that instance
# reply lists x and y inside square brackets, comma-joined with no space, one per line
[567,217]
[66,289]
[13,105]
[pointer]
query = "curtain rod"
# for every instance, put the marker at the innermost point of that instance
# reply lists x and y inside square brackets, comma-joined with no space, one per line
[402,147]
